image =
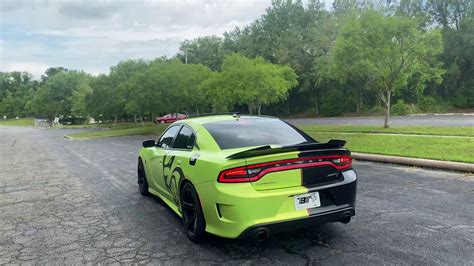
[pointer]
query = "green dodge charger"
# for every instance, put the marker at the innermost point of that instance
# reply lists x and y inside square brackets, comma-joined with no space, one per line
[247,176]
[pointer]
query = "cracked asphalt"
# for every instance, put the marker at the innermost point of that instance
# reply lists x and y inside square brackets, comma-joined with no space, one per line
[69,201]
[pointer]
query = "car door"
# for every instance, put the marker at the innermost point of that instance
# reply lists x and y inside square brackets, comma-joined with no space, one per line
[177,162]
[160,160]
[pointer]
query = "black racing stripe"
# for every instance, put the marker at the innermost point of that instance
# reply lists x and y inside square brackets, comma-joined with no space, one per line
[335,197]
[320,176]
[313,153]
[323,175]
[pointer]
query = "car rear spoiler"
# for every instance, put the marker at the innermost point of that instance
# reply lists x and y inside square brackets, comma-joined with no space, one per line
[267,149]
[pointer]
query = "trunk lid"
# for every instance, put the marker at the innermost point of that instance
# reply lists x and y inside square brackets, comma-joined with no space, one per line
[312,164]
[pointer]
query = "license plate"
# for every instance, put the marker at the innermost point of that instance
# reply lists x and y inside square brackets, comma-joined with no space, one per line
[307,201]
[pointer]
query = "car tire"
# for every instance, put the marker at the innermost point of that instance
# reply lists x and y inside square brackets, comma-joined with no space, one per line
[193,218]
[142,182]
[162,122]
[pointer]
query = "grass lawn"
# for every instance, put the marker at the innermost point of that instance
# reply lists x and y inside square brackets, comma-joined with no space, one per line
[415,130]
[105,125]
[428,147]
[23,122]
[445,149]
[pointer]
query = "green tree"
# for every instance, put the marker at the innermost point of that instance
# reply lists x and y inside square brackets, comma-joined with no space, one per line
[253,82]
[16,90]
[206,50]
[53,98]
[51,72]
[390,52]
[292,33]
[108,95]
[78,98]
[450,13]
[457,20]
[104,101]
[167,86]
[10,105]
[117,88]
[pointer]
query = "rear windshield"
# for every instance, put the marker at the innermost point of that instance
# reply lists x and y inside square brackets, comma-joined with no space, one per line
[247,132]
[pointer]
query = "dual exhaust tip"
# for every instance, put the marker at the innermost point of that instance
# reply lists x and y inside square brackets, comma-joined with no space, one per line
[346,218]
[261,234]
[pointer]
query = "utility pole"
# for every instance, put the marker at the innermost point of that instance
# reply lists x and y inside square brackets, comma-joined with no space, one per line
[185,54]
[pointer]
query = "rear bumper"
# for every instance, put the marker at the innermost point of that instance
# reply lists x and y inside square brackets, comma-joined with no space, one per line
[238,210]
[313,220]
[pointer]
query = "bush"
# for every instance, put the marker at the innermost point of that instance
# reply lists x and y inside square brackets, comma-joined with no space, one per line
[401,108]
[374,110]
[72,120]
[430,104]
[460,101]
[332,104]
[426,103]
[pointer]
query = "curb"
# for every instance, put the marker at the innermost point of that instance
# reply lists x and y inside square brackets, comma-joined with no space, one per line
[440,114]
[443,165]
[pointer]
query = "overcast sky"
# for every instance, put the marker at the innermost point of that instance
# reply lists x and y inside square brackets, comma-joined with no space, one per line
[94,35]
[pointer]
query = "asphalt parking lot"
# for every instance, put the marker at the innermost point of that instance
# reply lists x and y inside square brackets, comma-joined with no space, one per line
[69,201]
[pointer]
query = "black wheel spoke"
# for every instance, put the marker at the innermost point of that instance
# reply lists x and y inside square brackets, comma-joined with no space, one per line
[140,175]
[191,223]
[195,223]
[141,180]
[188,206]
[192,214]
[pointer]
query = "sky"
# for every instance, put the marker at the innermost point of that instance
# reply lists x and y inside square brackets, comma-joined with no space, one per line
[94,35]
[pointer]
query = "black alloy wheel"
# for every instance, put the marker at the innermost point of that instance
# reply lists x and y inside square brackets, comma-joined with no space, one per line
[142,183]
[193,218]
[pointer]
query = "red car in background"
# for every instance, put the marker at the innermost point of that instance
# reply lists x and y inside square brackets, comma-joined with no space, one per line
[170,118]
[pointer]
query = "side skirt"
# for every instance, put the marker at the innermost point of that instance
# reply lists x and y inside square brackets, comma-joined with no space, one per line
[168,202]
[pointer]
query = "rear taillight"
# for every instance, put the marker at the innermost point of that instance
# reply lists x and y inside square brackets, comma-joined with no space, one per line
[234,175]
[254,172]
[343,161]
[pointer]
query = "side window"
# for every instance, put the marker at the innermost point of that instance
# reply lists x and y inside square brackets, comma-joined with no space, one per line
[167,138]
[185,139]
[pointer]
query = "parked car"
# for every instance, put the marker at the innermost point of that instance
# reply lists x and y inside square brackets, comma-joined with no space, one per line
[170,118]
[247,176]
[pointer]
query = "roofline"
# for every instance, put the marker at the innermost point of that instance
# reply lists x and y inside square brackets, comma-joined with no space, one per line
[212,114]
[229,113]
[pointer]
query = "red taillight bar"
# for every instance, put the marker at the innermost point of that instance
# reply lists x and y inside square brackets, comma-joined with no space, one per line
[254,172]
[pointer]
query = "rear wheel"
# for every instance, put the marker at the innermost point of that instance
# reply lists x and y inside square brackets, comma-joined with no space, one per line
[193,219]
[142,183]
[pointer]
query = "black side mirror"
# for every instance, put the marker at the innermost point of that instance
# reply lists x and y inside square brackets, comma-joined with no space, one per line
[149,143]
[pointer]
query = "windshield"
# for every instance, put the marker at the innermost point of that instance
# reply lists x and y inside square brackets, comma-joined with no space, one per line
[248,132]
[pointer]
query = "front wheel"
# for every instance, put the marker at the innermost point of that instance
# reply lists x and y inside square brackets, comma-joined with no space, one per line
[142,183]
[193,218]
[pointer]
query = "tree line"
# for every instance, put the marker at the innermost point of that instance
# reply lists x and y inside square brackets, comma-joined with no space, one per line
[362,57]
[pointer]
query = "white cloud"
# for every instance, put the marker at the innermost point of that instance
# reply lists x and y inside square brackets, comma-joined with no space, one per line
[35,68]
[93,35]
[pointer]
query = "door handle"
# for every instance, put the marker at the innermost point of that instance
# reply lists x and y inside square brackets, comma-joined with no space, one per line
[178,162]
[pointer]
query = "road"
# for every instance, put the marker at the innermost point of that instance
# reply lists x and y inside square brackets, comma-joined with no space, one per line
[69,201]
[412,120]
